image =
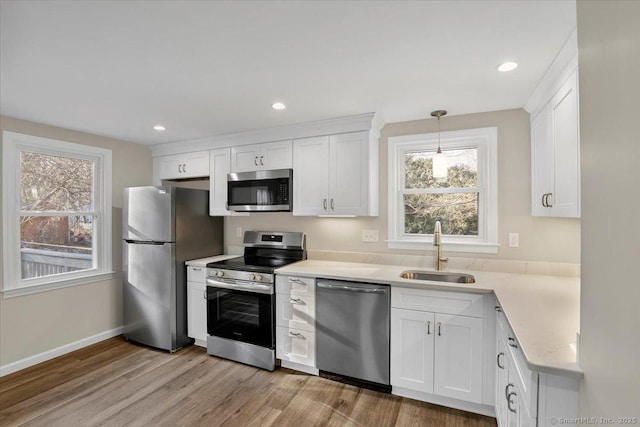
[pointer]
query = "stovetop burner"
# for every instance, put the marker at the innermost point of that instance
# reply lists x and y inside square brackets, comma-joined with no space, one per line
[265,251]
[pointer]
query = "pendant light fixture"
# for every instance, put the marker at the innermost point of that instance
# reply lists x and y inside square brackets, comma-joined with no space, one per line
[439,160]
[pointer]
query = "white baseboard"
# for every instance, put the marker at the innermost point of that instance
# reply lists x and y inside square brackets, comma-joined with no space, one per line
[298,367]
[59,351]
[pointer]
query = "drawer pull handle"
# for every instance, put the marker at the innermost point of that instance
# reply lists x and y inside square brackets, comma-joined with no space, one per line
[324,204]
[428,327]
[512,342]
[255,161]
[184,168]
[506,391]
[498,309]
[296,334]
[509,401]
[196,268]
[261,160]
[301,282]
[498,361]
[205,294]
[296,301]
[439,328]
[333,207]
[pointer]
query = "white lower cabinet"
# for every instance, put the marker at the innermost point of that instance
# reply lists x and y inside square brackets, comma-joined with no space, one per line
[525,398]
[437,353]
[296,323]
[196,305]
[296,345]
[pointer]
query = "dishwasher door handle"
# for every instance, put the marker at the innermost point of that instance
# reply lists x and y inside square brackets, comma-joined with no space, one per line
[352,289]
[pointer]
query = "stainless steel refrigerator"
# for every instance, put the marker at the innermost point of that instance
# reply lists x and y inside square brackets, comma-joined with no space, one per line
[162,227]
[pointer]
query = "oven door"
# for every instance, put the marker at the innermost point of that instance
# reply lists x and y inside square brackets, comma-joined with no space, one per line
[241,315]
[260,191]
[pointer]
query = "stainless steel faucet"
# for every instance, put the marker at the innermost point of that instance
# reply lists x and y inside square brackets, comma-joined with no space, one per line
[437,241]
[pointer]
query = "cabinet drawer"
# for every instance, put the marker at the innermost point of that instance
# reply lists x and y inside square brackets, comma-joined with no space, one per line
[296,311]
[196,274]
[303,286]
[437,301]
[296,346]
[528,380]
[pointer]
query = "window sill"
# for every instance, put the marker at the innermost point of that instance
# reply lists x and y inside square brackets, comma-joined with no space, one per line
[58,284]
[478,248]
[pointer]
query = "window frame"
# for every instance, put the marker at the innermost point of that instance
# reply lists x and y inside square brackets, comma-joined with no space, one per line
[13,144]
[486,142]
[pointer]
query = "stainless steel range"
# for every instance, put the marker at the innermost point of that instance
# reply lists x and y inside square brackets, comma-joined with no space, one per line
[241,297]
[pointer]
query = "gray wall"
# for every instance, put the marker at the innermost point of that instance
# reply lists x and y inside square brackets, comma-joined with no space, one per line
[609,46]
[32,324]
[541,239]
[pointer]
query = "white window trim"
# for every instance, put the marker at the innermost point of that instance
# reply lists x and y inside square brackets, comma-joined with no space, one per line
[13,143]
[486,140]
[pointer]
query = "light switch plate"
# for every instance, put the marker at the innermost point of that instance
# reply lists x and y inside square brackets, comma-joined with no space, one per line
[514,240]
[370,236]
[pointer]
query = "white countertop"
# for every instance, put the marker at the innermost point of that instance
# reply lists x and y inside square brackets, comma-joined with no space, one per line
[543,311]
[202,262]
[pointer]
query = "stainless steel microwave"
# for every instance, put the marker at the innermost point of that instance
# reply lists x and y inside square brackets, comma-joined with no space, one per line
[260,191]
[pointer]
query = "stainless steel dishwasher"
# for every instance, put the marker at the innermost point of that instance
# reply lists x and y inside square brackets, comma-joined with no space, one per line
[352,330]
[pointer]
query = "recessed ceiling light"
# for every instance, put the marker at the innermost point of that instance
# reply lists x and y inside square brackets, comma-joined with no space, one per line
[278,106]
[159,128]
[507,66]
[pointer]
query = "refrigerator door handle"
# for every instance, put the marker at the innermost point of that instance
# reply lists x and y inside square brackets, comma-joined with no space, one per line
[144,242]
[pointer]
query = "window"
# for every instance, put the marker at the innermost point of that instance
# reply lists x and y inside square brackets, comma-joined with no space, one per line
[465,202]
[57,214]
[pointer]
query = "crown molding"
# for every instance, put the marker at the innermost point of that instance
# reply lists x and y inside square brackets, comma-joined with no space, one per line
[562,66]
[364,122]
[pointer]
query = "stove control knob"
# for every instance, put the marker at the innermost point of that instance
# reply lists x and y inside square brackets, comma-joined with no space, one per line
[257,277]
[219,273]
[252,276]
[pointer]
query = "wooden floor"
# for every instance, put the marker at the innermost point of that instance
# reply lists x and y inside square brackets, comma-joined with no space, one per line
[116,383]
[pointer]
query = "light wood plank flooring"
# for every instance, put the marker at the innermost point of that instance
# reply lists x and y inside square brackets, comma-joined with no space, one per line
[116,383]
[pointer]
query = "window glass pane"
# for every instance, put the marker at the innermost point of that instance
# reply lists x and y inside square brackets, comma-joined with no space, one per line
[55,244]
[55,183]
[457,213]
[462,167]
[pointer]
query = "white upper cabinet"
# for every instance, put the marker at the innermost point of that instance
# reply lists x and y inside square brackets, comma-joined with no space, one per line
[555,154]
[220,166]
[555,137]
[336,175]
[187,165]
[267,156]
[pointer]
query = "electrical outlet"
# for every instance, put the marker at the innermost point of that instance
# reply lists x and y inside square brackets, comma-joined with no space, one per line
[370,236]
[239,232]
[514,240]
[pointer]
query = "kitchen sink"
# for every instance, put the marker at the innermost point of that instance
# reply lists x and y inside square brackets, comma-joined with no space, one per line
[438,276]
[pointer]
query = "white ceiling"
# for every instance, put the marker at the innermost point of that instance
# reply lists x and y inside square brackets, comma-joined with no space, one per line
[209,68]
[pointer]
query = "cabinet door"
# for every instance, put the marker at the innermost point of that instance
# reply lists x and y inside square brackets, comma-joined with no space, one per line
[196,312]
[311,176]
[565,200]
[412,339]
[296,311]
[296,346]
[195,164]
[458,357]
[541,162]
[245,158]
[276,155]
[348,174]
[170,167]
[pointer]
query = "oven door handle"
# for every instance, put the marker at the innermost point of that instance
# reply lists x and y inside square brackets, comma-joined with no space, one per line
[235,286]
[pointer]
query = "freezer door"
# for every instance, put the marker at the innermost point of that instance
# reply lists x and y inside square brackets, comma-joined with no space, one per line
[147,214]
[149,293]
